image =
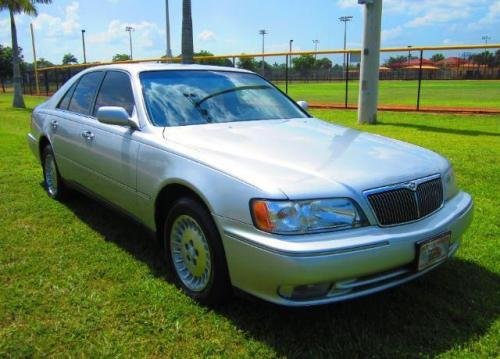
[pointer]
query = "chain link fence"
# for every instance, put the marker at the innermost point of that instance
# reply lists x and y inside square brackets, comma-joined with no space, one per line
[412,77]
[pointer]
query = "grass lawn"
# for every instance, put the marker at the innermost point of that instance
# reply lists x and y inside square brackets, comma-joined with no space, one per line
[466,93]
[79,279]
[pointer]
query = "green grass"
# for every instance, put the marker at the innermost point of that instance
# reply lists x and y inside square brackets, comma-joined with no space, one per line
[466,93]
[78,279]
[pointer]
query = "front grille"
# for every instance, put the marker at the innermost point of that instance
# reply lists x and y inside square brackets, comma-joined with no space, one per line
[400,205]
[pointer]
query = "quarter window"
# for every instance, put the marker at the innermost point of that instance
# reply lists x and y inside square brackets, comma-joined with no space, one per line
[85,91]
[115,91]
[63,104]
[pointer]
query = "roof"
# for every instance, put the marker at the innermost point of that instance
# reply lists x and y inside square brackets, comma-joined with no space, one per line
[417,67]
[148,66]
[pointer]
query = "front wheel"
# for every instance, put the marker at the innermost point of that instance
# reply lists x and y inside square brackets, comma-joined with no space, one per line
[194,252]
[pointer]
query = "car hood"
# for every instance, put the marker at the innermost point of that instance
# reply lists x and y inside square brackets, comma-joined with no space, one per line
[301,157]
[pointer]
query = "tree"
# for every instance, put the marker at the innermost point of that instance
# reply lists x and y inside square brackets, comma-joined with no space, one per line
[215,62]
[69,58]
[324,63]
[248,63]
[187,33]
[5,64]
[496,61]
[396,61]
[18,7]
[41,62]
[121,57]
[484,58]
[437,57]
[303,63]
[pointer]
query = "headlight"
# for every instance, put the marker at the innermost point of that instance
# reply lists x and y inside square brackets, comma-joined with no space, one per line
[293,217]
[449,184]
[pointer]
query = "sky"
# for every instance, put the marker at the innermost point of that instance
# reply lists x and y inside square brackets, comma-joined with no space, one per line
[231,27]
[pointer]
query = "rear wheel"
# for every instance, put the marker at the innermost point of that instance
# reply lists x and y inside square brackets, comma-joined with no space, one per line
[194,252]
[52,180]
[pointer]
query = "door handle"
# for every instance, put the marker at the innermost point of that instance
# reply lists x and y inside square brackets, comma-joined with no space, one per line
[54,124]
[88,135]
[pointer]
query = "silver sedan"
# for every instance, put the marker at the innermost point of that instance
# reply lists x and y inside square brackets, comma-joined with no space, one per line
[244,188]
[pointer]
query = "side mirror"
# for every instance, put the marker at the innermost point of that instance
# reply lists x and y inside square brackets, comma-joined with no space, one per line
[114,115]
[303,104]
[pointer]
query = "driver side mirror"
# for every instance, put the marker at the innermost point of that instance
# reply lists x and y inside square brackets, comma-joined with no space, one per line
[115,115]
[303,104]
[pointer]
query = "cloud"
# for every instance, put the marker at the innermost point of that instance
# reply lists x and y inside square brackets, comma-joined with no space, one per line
[492,16]
[441,15]
[206,36]
[390,34]
[55,26]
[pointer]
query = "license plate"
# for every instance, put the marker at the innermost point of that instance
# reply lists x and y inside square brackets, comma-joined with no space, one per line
[433,250]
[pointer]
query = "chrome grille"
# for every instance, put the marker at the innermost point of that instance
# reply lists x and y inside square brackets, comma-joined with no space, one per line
[400,204]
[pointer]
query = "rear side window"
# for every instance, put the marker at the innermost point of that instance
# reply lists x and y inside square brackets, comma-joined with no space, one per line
[63,104]
[115,91]
[85,91]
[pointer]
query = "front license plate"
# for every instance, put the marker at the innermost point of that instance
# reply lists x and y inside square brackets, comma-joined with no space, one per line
[433,250]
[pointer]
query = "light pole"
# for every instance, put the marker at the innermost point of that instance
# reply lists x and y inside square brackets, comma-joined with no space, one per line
[315,42]
[130,29]
[167,29]
[345,20]
[409,54]
[83,45]
[262,32]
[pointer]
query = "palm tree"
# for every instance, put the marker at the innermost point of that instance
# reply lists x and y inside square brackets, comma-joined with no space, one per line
[18,7]
[187,33]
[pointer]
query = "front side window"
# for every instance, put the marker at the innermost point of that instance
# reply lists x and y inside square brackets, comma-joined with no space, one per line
[85,91]
[115,91]
[191,97]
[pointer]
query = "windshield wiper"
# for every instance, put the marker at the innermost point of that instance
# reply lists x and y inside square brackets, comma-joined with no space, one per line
[232,89]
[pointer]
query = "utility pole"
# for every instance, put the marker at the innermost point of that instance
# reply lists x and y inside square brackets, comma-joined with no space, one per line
[83,45]
[130,29]
[167,29]
[290,43]
[263,32]
[409,54]
[370,60]
[35,65]
[345,20]
[315,42]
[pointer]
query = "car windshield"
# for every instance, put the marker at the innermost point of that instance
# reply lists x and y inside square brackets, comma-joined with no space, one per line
[192,97]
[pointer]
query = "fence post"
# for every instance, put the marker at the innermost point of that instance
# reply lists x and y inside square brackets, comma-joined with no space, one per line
[419,79]
[46,80]
[286,74]
[347,56]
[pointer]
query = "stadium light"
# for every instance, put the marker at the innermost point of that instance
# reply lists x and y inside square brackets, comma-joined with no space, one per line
[130,29]
[315,42]
[263,32]
[345,20]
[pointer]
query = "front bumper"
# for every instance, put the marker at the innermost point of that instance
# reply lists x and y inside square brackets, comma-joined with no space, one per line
[357,262]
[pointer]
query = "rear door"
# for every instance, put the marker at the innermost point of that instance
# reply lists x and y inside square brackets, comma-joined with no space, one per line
[65,126]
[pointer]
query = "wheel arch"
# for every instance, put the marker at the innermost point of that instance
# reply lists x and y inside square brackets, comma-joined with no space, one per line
[170,193]
[42,143]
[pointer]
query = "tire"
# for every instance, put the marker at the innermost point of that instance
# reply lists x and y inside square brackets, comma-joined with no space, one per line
[52,180]
[194,253]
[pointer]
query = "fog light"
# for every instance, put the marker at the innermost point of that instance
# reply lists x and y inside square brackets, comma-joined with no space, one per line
[304,292]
